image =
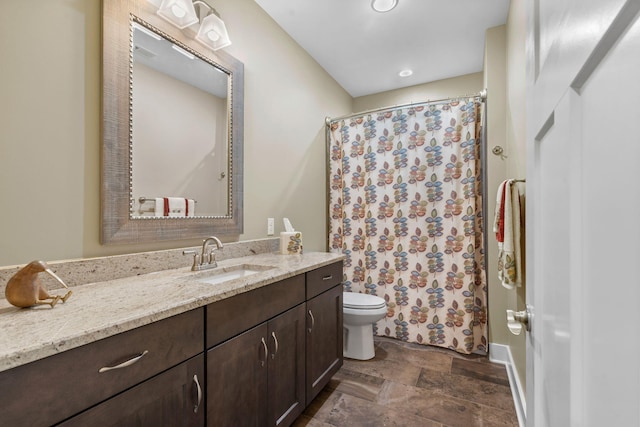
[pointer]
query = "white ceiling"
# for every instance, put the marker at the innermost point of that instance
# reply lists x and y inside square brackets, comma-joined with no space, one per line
[364,50]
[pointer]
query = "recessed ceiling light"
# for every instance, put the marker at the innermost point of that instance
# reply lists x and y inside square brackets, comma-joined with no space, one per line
[405,73]
[383,5]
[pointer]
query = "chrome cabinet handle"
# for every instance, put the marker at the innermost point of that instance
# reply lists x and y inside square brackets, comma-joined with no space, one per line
[266,352]
[329,277]
[275,340]
[199,389]
[124,364]
[313,321]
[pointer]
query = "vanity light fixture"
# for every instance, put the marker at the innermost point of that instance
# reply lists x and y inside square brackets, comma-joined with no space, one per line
[180,13]
[212,32]
[383,5]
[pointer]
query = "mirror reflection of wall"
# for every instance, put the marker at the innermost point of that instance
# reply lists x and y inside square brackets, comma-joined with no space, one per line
[179,133]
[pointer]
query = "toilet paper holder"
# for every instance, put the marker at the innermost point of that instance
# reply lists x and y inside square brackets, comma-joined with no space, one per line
[516,320]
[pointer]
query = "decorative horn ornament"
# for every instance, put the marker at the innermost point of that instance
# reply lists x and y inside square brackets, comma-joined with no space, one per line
[25,289]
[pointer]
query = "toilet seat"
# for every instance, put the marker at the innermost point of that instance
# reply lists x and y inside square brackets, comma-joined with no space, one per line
[359,301]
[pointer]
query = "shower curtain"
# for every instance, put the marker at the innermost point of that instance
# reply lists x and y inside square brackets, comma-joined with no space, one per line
[405,207]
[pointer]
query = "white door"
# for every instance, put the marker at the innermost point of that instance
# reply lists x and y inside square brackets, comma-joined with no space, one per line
[583,213]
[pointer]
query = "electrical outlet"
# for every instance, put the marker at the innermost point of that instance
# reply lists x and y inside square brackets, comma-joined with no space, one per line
[270,225]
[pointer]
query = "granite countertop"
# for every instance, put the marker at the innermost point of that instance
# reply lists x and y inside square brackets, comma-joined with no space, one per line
[102,309]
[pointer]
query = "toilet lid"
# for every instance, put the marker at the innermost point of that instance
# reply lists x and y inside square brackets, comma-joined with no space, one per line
[362,301]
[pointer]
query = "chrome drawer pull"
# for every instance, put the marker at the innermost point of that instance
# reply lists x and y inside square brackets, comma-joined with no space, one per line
[266,352]
[313,321]
[329,277]
[123,364]
[195,380]
[273,355]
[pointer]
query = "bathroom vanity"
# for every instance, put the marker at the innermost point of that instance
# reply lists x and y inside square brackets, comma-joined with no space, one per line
[252,350]
[298,340]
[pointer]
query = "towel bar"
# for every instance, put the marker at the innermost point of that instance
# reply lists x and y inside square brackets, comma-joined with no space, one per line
[142,199]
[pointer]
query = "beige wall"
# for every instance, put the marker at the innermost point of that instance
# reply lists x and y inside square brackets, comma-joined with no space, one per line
[505,78]
[446,88]
[50,129]
[495,77]
[516,89]
[515,146]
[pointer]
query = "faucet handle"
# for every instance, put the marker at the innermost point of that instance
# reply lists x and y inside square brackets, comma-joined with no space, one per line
[194,267]
[212,258]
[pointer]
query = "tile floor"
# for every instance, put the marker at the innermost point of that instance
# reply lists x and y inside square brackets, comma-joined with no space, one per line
[413,385]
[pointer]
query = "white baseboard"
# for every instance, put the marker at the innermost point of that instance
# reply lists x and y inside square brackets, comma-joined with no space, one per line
[500,353]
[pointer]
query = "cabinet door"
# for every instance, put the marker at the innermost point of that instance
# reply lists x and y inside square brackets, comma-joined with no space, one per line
[286,367]
[237,380]
[173,398]
[324,339]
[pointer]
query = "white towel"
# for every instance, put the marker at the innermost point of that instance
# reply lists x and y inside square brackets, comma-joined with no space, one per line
[174,207]
[159,207]
[191,204]
[177,206]
[498,228]
[509,251]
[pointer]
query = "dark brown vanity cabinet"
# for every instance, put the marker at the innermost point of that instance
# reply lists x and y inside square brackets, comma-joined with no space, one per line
[266,375]
[256,377]
[324,327]
[254,359]
[155,364]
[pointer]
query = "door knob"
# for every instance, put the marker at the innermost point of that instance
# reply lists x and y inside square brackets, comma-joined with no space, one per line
[516,320]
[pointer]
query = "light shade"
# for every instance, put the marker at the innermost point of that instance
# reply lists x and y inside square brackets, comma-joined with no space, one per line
[180,13]
[383,5]
[213,33]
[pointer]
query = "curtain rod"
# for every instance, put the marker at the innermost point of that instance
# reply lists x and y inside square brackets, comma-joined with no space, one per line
[482,94]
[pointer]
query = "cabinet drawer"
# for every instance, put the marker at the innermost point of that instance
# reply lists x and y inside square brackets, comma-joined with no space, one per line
[49,390]
[234,315]
[323,279]
[173,398]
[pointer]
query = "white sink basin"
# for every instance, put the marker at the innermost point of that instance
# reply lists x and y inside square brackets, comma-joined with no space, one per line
[224,274]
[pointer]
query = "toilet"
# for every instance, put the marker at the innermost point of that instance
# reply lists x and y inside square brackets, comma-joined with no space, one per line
[360,312]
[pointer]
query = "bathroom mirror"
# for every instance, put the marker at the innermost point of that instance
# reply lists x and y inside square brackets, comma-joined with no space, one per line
[172,131]
[179,132]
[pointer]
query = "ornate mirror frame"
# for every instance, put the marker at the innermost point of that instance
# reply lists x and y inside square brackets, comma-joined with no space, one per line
[118,225]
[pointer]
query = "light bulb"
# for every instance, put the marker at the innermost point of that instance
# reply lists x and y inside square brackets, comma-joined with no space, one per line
[178,11]
[213,36]
[383,5]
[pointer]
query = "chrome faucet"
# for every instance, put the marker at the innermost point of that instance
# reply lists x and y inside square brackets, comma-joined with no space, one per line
[209,254]
[207,258]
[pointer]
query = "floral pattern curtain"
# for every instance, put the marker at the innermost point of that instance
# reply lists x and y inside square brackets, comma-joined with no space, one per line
[406,210]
